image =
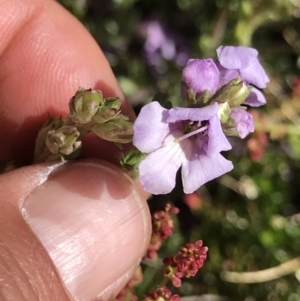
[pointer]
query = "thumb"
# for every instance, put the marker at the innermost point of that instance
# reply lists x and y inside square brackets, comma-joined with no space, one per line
[74,229]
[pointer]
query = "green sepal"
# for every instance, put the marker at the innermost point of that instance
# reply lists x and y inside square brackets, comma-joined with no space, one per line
[229,128]
[118,129]
[105,114]
[235,93]
[109,110]
[198,100]
[230,123]
[231,132]
[224,112]
[112,102]
[131,160]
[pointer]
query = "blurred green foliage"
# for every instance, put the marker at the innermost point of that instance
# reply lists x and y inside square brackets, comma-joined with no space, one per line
[249,218]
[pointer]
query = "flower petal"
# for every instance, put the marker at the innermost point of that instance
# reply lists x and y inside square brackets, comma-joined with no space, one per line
[245,60]
[244,122]
[201,75]
[239,57]
[217,140]
[150,127]
[200,169]
[255,99]
[158,170]
[255,74]
[226,75]
[193,114]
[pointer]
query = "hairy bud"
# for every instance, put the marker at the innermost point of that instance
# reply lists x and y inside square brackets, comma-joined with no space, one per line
[63,141]
[84,105]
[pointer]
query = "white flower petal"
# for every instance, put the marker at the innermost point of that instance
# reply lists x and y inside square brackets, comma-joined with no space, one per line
[150,128]
[200,169]
[158,170]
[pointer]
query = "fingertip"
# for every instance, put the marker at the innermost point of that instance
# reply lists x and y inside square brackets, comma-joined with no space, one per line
[88,217]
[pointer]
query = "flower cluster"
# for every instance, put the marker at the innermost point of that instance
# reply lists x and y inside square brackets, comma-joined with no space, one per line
[186,263]
[161,294]
[192,138]
[162,228]
[60,138]
[234,63]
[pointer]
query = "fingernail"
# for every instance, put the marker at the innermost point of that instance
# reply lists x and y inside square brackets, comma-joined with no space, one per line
[93,223]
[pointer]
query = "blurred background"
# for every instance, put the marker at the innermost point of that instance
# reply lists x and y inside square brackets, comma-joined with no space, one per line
[249,218]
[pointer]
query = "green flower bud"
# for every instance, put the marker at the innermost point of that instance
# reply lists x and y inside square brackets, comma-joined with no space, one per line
[118,129]
[51,124]
[235,93]
[63,141]
[84,105]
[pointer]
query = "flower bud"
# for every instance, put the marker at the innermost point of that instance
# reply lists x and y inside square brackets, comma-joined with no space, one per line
[84,105]
[118,129]
[51,124]
[186,263]
[240,123]
[200,81]
[235,92]
[201,75]
[63,141]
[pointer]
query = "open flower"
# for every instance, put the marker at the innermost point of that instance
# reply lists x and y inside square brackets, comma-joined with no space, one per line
[242,61]
[180,137]
[206,76]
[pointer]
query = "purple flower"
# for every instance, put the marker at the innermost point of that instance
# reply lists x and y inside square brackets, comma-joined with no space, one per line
[242,61]
[255,99]
[201,75]
[162,44]
[244,122]
[180,137]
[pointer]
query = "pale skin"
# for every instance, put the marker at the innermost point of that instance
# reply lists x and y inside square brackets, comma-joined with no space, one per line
[45,55]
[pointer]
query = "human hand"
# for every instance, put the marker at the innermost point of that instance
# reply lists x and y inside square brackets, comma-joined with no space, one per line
[72,231]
